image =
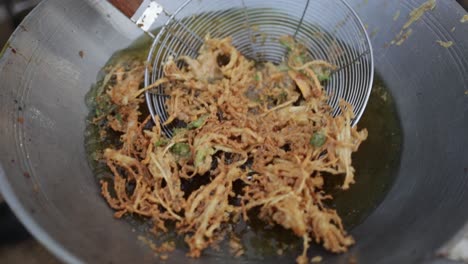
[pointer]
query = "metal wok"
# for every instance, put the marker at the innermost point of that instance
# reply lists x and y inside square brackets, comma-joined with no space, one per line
[53,58]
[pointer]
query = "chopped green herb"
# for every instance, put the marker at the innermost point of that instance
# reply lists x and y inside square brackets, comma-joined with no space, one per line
[323,77]
[198,123]
[181,149]
[318,139]
[286,43]
[118,116]
[201,155]
[257,77]
[300,59]
[161,142]
[199,158]
[179,130]
[283,67]
[322,74]
[104,106]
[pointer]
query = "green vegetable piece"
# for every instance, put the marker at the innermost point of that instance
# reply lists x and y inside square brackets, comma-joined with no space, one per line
[104,106]
[322,74]
[283,68]
[323,77]
[257,77]
[181,149]
[118,116]
[299,59]
[198,123]
[179,130]
[201,155]
[199,158]
[161,142]
[318,139]
[287,44]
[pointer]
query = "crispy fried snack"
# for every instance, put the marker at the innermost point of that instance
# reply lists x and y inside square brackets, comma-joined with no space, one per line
[268,126]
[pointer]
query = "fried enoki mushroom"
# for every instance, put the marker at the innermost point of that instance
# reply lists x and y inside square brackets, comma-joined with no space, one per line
[265,125]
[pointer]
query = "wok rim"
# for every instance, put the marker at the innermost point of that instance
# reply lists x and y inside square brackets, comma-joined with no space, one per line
[31,225]
[26,219]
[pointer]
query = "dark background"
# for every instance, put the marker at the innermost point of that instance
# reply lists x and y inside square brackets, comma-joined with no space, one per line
[16,245]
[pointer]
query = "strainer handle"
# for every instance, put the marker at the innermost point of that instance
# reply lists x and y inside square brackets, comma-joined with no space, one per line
[142,12]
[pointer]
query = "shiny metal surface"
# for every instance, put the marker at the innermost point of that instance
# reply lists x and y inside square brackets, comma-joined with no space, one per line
[47,182]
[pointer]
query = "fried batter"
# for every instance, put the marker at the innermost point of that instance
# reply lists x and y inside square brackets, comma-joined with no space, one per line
[268,126]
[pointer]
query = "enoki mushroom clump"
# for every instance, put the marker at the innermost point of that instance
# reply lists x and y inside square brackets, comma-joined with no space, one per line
[268,127]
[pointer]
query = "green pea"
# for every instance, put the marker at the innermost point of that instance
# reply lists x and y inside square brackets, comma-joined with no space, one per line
[318,139]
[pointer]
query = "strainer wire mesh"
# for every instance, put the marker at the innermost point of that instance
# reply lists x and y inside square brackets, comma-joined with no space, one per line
[331,31]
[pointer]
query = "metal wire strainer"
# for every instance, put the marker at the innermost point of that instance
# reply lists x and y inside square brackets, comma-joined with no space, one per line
[330,29]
